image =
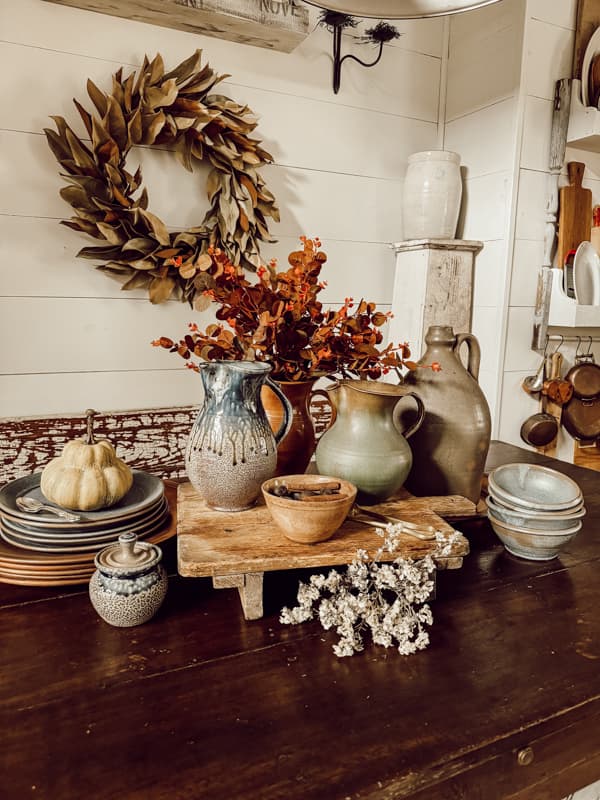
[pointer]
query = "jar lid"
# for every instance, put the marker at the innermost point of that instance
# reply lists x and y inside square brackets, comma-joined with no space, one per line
[128,556]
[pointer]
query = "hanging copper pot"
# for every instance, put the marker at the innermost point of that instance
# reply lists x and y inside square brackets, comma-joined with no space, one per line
[539,430]
[584,376]
[581,415]
[581,418]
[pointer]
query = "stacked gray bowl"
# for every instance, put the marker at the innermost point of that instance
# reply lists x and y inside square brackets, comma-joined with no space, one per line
[533,510]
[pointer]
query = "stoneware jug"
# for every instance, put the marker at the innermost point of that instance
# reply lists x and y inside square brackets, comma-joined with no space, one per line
[431,195]
[231,449]
[129,584]
[451,446]
[365,444]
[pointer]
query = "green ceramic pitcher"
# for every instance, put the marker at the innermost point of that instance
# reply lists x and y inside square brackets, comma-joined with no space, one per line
[365,443]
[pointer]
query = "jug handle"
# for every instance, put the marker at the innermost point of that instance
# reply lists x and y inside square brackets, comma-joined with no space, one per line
[474,352]
[324,394]
[420,415]
[286,423]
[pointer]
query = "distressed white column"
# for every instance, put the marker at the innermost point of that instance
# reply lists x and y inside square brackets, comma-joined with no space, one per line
[433,285]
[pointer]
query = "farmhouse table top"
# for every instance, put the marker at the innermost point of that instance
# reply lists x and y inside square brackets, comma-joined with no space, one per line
[199,703]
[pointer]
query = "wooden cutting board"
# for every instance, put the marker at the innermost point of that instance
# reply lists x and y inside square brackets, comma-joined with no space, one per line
[574,214]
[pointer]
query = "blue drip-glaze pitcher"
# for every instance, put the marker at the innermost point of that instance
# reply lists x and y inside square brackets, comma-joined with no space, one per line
[231,449]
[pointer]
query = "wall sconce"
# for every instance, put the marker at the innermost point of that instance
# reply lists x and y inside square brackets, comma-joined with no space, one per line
[339,14]
[335,23]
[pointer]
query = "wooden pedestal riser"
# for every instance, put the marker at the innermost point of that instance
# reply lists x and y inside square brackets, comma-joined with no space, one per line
[237,548]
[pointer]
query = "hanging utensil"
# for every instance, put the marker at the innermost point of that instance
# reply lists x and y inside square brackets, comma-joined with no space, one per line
[557,389]
[532,384]
[541,429]
[584,376]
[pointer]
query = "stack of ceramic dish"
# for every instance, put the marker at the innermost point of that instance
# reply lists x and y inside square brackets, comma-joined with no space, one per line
[43,547]
[534,510]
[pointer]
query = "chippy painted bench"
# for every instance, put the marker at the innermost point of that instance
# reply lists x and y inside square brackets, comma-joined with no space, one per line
[152,439]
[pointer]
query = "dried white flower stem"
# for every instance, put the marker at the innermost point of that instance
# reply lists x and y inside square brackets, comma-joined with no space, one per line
[389,599]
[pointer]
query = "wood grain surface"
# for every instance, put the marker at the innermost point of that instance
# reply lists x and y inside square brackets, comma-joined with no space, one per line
[199,703]
[574,213]
[279,25]
[586,455]
[221,543]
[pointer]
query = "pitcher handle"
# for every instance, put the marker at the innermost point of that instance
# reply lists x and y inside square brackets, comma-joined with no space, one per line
[420,415]
[324,394]
[474,352]
[286,422]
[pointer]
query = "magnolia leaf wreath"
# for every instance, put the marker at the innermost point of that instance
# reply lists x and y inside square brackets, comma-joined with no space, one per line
[173,110]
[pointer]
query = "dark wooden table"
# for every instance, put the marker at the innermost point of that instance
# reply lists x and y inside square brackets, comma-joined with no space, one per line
[198,703]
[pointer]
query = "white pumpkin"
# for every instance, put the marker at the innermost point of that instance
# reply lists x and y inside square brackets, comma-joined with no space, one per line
[88,475]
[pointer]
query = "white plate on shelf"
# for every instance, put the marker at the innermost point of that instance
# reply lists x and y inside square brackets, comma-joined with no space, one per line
[586,275]
[592,48]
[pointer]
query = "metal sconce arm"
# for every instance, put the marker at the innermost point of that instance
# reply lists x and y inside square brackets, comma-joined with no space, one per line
[338,59]
[338,14]
[335,23]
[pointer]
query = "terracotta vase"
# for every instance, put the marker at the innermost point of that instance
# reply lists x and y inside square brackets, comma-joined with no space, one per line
[450,448]
[231,449]
[365,443]
[296,448]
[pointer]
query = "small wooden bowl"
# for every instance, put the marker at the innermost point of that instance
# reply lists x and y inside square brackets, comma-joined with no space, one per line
[309,520]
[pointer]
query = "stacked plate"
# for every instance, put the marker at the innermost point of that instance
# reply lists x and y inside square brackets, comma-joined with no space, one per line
[533,510]
[43,547]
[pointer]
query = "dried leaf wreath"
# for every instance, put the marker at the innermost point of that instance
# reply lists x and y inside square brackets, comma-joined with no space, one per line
[172,110]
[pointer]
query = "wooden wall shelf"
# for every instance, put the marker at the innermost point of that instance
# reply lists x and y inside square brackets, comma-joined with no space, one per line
[280,25]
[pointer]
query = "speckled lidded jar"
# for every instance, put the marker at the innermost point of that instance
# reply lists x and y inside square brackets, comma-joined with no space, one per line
[129,584]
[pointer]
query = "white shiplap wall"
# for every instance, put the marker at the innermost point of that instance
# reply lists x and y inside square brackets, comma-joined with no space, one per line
[547,56]
[70,338]
[483,91]
[498,116]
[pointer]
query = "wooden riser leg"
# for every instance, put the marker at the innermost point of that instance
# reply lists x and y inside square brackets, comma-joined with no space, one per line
[250,588]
